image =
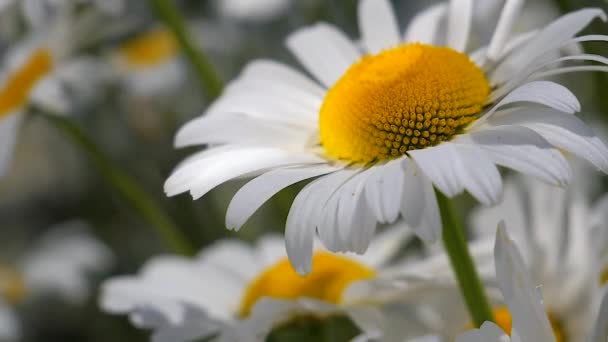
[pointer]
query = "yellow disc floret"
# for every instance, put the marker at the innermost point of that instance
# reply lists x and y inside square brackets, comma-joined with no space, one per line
[150,49]
[406,98]
[330,276]
[16,89]
[12,285]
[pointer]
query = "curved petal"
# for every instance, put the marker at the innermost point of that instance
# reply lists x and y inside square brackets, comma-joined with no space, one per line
[200,175]
[454,168]
[383,191]
[520,294]
[324,50]
[378,25]
[238,129]
[521,149]
[508,17]
[441,164]
[252,195]
[550,38]
[460,16]
[561,130]
[424,27]
[546,93]
[305,215]
[419,204]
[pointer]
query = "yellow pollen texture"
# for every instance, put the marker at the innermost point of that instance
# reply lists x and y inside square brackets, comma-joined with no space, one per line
[330,275]
[150,49]
[15,91]
[410,97]
[502,317]
[12,286]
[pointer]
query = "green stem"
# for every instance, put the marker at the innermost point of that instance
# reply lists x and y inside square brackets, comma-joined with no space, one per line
[206,74]
[128,188]
[458,251]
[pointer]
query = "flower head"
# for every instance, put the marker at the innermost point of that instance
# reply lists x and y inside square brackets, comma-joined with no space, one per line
[391,118]
[238,292]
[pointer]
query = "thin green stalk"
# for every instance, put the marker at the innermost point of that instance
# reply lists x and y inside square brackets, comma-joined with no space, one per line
[126,186]
[458,251]
[206,74]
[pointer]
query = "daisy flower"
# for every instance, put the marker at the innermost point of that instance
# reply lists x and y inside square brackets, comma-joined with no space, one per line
[58,264]
[234,291]
[522,298]
[386,120]
[150,63]
[40,71]
[563,242]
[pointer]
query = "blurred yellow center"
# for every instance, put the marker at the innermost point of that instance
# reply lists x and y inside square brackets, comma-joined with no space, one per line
[150,49]
[16,89]
[12,286]
[330,275]
[503,320]
[406,98]
[604,277]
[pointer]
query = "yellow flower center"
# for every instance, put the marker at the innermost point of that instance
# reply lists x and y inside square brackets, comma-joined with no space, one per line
[330,276]
[12,286]
[503,320]
[604,277]
[406,98]
[149,49]
[17,87]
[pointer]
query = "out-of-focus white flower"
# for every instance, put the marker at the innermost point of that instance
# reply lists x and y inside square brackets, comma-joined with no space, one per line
[58,264]
[238,292]
[388,122]
[252,10]
[530,323]
[41,70]
[150,64]
[563,240]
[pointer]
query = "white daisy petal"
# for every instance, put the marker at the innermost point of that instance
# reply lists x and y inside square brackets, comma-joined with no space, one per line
[550,38]
[9,129]
[378,25]
[356,223]
[561,130]
[460,16]
[305,212]
[419,204]
[203,174]
[424,27]
[383,191]
[269,72]
[508,17]
[255,193]
[521,149]
[221,129]
[441,164]
[483,181]
[447,165]
[324,50]
[546,93]
[329,205]
[520,294]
